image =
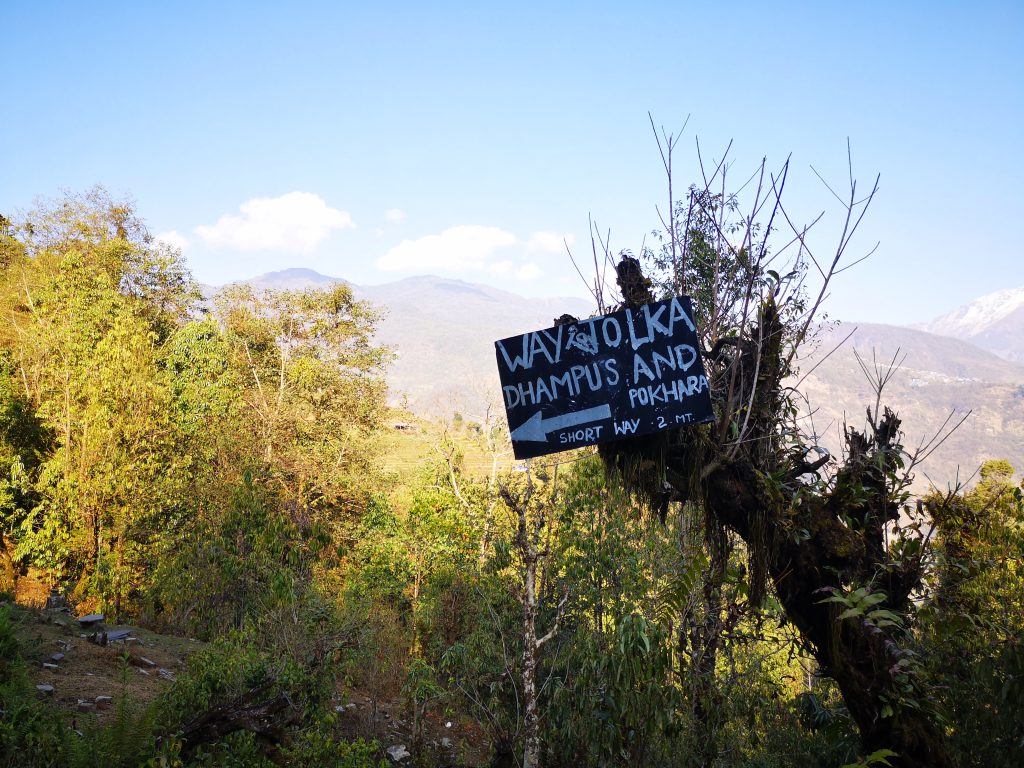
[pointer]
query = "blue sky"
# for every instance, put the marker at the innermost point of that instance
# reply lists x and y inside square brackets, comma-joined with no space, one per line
[374,141]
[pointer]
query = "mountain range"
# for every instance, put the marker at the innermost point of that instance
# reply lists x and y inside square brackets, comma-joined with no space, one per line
[938,381]
[443,334]
[994,322]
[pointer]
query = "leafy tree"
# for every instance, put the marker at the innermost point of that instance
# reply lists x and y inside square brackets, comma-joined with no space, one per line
[207,405]
[612,699]
[974,620]
[533,513]
[146,417]
[313,395]
[22,442]
[91,297]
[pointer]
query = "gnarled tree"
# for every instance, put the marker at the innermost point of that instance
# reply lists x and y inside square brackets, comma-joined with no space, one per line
[834,538]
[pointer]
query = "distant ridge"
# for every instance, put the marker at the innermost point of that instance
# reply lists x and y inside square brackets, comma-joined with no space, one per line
[937,376]
[926,354]
[443,333]
[291,279]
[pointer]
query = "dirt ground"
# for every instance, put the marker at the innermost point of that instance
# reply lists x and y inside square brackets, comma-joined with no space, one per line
[137,668]
[448,738]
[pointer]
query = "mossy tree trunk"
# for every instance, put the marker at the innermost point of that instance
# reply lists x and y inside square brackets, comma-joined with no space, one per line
[823,545]
[865,660]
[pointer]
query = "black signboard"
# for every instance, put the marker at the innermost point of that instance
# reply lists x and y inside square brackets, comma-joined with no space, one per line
[619,375]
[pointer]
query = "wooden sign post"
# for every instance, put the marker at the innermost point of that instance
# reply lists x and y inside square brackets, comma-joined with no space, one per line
[628,373]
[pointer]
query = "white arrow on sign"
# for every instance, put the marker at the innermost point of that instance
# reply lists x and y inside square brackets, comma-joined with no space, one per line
[536,428]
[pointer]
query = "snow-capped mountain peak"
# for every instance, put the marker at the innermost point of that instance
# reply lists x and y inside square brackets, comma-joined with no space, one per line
[994,322]
[976,317]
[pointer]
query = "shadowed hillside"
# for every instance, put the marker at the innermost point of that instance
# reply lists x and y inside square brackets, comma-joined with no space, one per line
[938,376]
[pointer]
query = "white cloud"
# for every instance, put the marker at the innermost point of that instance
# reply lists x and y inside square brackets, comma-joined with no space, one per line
[466,248]
[550,242]
[529,272]
[394,214]
[298,221]
[173,238]
[506,268]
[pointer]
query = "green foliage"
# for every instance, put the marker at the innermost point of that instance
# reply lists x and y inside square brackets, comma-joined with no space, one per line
[217,473]
[381,567]
[315,397]
[320,745]
[253,565]
[676,596]
[618,707]
[198,472]
[878,757]
[31,733]
[420,691]
[860,604]
[249,666]
[418,564]
[124,423]
[22,439]
[482,668]
[316,746]
[612,553]
[376,646]
[223,670]
[91,298]
[124,742]
[820,713]
[974,622]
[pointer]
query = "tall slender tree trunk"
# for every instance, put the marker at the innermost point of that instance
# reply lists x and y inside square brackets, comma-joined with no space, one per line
[8,573]
[531,721]
[527,541]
